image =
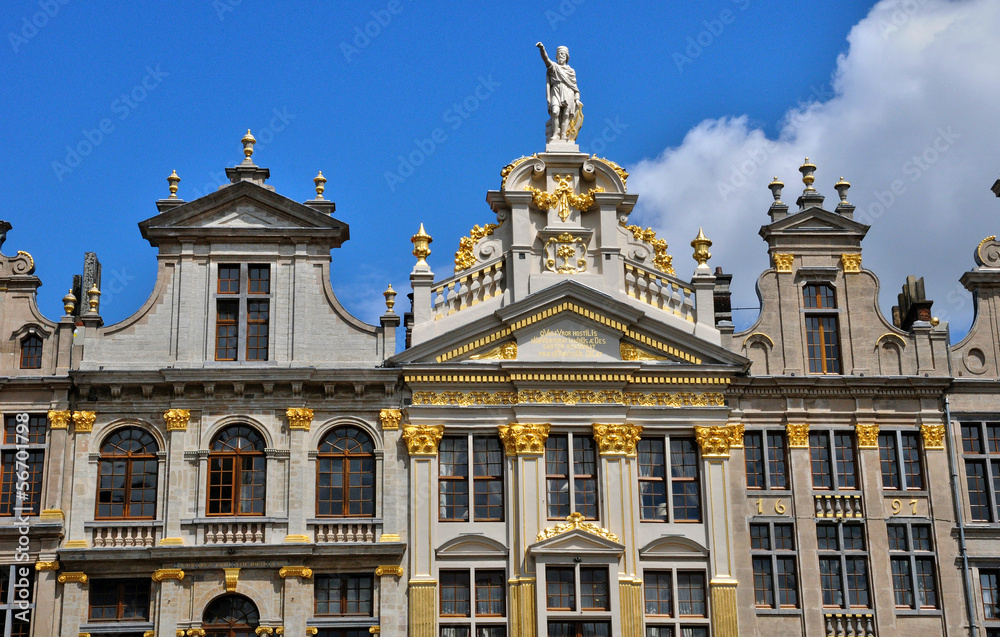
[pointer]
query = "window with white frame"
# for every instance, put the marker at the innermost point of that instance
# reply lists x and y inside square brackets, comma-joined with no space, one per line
[675,473]
[473,602]
[578,600]
[676,603]
[571,476]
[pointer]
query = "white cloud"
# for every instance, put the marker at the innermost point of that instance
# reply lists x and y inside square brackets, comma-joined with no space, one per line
[914,101]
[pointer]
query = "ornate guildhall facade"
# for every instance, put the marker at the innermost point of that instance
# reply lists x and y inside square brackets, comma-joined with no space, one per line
[572,441]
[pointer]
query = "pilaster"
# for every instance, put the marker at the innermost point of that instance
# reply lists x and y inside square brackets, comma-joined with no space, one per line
[422,444]
[74,601]
[299,424]
[297,600]
[170,602]
[617,447]
[174,496]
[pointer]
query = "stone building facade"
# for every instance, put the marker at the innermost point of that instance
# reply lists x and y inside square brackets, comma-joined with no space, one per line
[573,440]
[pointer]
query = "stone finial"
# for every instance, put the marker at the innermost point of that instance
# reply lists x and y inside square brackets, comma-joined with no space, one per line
[93,298]
[173,180]
[701,244]
[320,182]
[421,245]
[776,187]
[390,299]
[248,142]
[808,171]
[69,303]
[842,187]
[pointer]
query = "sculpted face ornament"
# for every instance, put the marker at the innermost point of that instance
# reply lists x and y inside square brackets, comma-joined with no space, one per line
[563,96]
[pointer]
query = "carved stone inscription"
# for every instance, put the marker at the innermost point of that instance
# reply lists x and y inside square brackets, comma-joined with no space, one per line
[570,341]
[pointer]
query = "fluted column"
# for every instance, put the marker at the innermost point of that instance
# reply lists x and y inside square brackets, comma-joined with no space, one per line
[422,444]
[715,443]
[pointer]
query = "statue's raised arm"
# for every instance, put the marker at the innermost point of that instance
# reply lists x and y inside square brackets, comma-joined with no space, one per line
[563,96]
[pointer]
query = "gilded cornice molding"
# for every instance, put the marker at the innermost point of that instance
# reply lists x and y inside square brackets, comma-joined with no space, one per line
[299,418]
[59,419]
[177,419]
[798,435]
[617,440]
[83,421]
[573,522]
[933,436]
[523,439]
[422,440]
[390,419]
[867,435]
[565,397]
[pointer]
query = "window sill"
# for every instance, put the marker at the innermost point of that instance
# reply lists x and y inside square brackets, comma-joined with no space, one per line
[340,520]
[343,622]
[234,519]
[115,627]
[101,524]
[779,611]
[923,612]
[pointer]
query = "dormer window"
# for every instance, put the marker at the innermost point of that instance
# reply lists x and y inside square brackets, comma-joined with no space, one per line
[822,329]
[242,305]
[31,352]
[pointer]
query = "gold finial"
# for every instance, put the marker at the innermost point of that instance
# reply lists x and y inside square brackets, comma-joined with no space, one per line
[69,302]
[173,180]
[320,182]
[701,244]
[842,187]
[390,298]
[248,142]
[935,321]
[776,187]
[93,294]
[421,245]
[807,169]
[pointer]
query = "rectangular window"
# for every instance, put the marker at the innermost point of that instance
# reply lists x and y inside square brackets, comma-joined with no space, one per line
[560,583]
[455,594]
[899,455]
[989,582]
[344,594]
[685,485]
[257,330]
[652,480]
[23,456]
[459,617]
[226,330]
[691,594]
[658,586]
[833,460]
[31,352]
[594,589]
[766,460]
[566,481]
[772,551]
[487,464]
[15,599]
[579,629]
[453,479]
[258,279]
[843,566]
[229,279]
[119,600]
[486,468]
[490,594]
[822,335]
[911,554]
[982,469]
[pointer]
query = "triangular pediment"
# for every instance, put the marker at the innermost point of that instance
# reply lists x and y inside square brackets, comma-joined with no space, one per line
[248,211]
[569,324]
[577,542]
[816,220]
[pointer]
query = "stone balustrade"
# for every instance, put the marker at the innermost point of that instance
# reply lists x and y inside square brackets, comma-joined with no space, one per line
[850,624]
[124,535]
[234,533]
[340,531]
[468,288]
[838,506]
[659,290]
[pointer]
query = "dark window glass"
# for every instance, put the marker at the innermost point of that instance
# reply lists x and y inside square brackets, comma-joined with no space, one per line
[846,476]
[557,477]
[345,479]
[119,600]
[658,586]
[819,296]
[889,459]
[29,467]
[226,330]
[691,594]
[344,594]
[989,581]
[487,466]
[490,594]
[684,481]
[257,330]
[585,476]
[455,598]
[594,589]
[229,279]
[560,585]
[236,472]
[753,451]
[453,479]
[819,453]
[231,616]
[652,480]
[127,474]
[31,352]
[777,456]
[911,461]
[979,499]
[259,279]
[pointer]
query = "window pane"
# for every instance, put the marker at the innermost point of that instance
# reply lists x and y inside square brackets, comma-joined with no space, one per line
[788,590]
[926,585]
[557,477]
[897,537]
[846,477]
[857,582]
[455,599]
[776,461]
[826,537]
[585,476]
[259,279]
[487,465]
[911,461]
[226,326]
[594,589]
[889,460]
[830,583]
[979,502]
[659,593]
[753,449]
[988,581]
[691,594]
[819,453]
[902,583]
[784,537]
[763,582]
[32,465]
[490,593]
[229,279]
[560,588]
[760,537]
[652,480]
[257,330]
[453,475]
[971,438]
[685,485]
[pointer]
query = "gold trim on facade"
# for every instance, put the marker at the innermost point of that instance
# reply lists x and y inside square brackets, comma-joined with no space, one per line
[564,397]
[177,419]
[389,537]
[299,418]
[506,170]
[724,622]
[465,258]
[422,440]
[850,263]
[714,441]
[297,538]
[390,419]
[933,436]
[423,608]
[303,572]
[631,604]
[798,435]
[621,172]
[389,569]
[661,260]
[503,352]
[76,577]
[172,541]
[523,439]
[196,632]
[75,544]
[83,421]
[232,579]
[867,435]
[736,431]
[563,199]
[59,419]
[574,522]
[630,352]
[52,515]
[47,566]
[783,262]
[264,630]
[617,440]
[168,573]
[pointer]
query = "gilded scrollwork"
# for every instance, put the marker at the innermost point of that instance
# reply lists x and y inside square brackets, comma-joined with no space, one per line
[621,172]
[617,440]
[465,258]
[422,440]
[522,439]
[566,397]
[572,251]
[574,522]
[509,168]
[563,199]
[661,260]
[630,352]
[505,351]
[988,253]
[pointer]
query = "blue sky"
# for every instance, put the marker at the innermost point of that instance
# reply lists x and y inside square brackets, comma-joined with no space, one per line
[176,86]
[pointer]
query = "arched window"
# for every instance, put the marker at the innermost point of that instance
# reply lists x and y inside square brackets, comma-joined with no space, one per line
[31,352]
[345,477]
[126,486]
[822,329]
[231,616]
[236,472]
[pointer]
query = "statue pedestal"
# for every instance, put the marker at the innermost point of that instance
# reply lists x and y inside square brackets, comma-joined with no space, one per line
[559,146]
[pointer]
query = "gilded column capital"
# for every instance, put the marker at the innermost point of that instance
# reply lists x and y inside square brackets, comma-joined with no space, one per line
[264,630]
[783,262]
[850,263]
[714,441]
[617,440]
[933,436]
[798,435]
[59,419]
[422,440]
[523,439]
[389,569]
[196,632]
[177,419]
[390,419]
[47,566]
[375,630]
[168,573]
[83,421]
[299,418]
[312,630]
[736,431]
[75,577]
[295,571]
[867,435]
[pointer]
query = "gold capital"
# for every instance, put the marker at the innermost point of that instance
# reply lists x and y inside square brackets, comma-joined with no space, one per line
[783,262]
[59,419]
[295,571]
[933,436]
[232,578]
[736,436]
[714,441]
[264,630]
[521,439]
[47,566]
[299,418]
[168,573]
[76,577]
[850,263]
[389,569]
[390,419]
[617,440]
[177,419]
[83,421]
[422,440]
[798,435]
[867,436]
[195,632]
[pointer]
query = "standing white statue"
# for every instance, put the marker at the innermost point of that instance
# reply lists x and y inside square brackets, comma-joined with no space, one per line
[565,107]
